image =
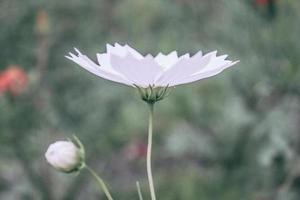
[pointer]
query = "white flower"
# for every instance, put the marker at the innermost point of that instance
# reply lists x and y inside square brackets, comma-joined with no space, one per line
[65,156]
[125,65]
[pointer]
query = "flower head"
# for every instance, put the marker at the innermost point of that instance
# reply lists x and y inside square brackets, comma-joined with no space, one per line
[123,64]
[66,156]
[13,80]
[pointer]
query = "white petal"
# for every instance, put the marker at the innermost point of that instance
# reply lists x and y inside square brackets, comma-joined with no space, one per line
[125,65]
[187,55]
[184,68]
[215,62]
[133,52]
[122,50]
[104,61]
[166,61]
[89,65]
[116,50]
[141,72]
[205,74]
[109,48]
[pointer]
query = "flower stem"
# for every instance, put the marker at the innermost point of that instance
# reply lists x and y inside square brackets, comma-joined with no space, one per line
[149,149]
[100,182]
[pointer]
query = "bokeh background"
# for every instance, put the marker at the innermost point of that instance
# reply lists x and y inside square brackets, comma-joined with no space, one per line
[231,137]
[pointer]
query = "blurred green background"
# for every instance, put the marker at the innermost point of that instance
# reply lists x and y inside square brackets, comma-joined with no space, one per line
[231,137]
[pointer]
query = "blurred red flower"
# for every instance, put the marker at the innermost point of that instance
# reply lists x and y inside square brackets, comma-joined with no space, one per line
[135,150]
[261,2]
[13,80]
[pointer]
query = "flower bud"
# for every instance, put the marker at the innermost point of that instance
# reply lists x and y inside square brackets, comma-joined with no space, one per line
[66,156]
[42,24]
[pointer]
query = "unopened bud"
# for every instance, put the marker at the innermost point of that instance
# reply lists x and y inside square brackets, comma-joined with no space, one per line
[66,156]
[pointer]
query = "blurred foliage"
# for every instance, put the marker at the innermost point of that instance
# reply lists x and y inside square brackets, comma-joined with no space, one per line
[231,137]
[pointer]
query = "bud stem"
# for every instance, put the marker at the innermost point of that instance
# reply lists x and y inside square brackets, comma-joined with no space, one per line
[100,182]
[139,191]
[149,149]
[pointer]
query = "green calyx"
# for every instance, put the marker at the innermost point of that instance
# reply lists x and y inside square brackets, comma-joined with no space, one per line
[80,155]
[152,94]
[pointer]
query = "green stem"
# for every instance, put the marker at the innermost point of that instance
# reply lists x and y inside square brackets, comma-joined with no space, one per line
[149,149]
[100,182]
[139,191]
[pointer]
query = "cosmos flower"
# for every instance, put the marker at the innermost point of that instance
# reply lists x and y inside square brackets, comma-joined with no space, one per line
[152,76]
[123,64]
